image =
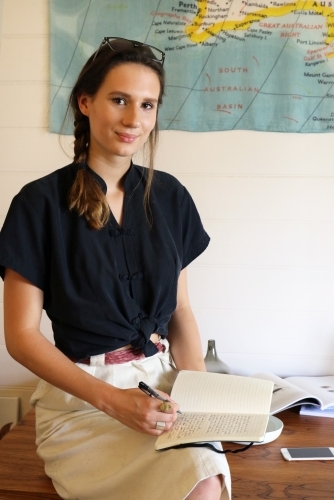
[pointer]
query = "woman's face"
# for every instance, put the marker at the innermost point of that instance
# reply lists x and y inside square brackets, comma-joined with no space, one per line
[123,112]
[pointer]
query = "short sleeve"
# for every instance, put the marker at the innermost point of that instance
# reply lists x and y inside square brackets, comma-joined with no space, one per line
[195,238]
[24,242]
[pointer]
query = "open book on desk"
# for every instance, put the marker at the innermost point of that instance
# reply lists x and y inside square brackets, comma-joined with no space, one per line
[218,407]
[294,391]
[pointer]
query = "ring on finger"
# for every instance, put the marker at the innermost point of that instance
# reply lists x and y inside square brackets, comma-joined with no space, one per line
[160,426]
[165,406]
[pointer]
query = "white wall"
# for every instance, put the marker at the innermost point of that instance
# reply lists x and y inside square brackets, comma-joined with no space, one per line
[265,287]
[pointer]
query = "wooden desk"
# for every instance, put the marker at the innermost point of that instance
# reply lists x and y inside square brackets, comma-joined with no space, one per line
[21,470]
[259,473]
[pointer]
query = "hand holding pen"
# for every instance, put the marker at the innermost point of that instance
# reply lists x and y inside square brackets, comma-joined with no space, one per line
[134,409]
[166,405]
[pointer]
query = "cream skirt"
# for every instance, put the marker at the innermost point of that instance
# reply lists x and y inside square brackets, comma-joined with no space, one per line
[91,456]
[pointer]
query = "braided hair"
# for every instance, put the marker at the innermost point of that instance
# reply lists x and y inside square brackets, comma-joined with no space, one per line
[86,196]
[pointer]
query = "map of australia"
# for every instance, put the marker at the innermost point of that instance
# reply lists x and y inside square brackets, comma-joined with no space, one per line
[230,64]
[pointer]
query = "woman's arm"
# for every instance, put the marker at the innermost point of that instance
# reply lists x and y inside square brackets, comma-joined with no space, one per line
[23,305]
[183,334]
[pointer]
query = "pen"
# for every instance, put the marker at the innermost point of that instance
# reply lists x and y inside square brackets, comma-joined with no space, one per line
[150,392]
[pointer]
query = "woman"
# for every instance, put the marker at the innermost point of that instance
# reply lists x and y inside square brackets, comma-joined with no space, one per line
[102,245]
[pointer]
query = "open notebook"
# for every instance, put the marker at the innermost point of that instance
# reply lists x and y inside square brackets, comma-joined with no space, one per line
[218,407]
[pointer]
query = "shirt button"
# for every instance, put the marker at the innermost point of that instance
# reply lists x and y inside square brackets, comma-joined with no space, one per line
[114,232]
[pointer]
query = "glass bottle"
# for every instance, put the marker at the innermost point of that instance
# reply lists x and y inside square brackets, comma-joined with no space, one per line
[212,361]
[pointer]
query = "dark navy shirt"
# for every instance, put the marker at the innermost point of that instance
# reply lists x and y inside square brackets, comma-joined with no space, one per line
[103,289]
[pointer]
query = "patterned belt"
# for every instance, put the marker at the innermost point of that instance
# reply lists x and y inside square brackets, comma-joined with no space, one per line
[119,357]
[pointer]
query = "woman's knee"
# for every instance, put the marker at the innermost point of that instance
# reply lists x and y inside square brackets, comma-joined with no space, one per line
[207,489]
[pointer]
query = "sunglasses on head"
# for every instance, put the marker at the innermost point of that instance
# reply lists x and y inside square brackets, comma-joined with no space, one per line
[123,44]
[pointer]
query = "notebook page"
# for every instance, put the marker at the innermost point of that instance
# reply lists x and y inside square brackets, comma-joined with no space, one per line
[214,392]
[192,427]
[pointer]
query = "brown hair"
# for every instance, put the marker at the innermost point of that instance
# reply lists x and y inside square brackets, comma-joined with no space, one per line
[86,196]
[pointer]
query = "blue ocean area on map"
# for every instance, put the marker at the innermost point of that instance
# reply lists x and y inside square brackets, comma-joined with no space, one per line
[230,65]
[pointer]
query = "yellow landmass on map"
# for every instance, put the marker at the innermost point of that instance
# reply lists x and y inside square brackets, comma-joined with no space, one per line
[244,24]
